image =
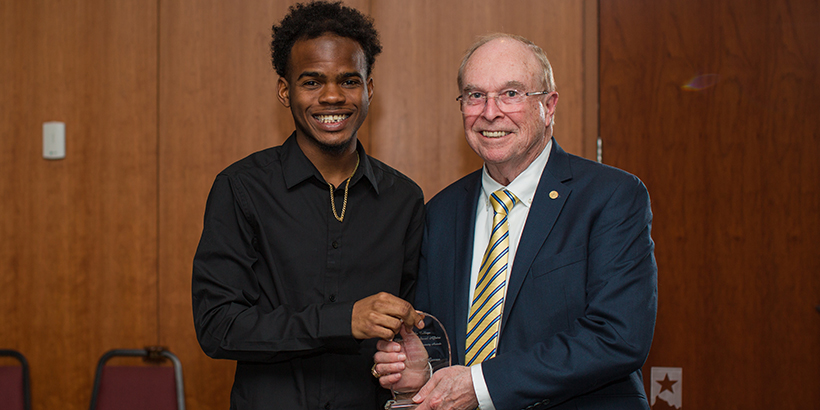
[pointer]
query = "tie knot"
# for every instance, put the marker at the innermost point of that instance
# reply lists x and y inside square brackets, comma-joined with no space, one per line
[503,201]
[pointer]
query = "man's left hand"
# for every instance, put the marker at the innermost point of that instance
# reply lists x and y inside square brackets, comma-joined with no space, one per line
[449,389]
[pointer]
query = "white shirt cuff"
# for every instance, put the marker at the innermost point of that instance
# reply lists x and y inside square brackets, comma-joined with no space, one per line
[480,388]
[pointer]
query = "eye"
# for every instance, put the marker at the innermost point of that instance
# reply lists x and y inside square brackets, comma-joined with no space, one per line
[351,83]
[510,93]
[310,84]
[475,96]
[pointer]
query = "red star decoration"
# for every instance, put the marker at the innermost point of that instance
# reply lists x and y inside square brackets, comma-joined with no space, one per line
[666,384]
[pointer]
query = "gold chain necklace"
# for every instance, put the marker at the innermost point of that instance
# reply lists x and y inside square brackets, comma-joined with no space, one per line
[341,217]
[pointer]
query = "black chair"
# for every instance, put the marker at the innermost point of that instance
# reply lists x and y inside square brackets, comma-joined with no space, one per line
[137,387]
[14,382]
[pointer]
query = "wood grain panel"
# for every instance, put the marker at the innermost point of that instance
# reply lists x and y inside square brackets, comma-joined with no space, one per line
[77,236]
[730,163]
[416,123]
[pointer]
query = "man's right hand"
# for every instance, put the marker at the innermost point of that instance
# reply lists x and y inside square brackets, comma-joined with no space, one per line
[381,316]
[404,367]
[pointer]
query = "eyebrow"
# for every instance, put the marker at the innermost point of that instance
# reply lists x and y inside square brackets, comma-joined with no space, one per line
[507,85]
[310,74]
[317,74]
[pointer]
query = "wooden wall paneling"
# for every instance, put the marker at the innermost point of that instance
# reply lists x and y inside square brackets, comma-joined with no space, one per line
[416,123]
[78,245]
[712,105]
[217,104]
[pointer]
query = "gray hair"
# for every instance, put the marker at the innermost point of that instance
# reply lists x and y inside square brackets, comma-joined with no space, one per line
[548,81]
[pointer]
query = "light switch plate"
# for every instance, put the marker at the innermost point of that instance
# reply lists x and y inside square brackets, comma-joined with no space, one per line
[53,140]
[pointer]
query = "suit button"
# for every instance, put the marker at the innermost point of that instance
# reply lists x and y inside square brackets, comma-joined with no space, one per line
[335,244]
[333,299]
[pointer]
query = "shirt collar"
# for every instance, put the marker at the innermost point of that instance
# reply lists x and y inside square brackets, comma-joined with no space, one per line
[524,185]
[297,168]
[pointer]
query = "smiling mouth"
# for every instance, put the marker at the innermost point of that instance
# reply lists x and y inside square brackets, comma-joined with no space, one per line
[494,134]
[331,119]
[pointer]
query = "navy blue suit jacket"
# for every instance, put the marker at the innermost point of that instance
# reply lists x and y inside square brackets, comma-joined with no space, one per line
[582,295]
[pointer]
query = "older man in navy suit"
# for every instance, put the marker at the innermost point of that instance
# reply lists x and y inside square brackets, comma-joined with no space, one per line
[540,265]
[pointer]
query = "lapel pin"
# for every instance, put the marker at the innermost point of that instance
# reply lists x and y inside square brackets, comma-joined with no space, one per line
[553,194]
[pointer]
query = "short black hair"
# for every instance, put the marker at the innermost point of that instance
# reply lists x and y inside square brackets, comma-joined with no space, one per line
[311,20]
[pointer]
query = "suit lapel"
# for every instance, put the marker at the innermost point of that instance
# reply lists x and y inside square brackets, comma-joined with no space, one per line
[465,214]
[550,197]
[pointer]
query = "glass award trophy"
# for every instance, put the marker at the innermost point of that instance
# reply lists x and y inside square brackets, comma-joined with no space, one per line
[427,350]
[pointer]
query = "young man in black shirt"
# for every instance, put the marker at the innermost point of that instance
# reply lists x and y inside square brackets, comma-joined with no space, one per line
[309,250]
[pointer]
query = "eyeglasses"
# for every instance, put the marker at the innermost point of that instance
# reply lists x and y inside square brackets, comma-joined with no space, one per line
[473,102]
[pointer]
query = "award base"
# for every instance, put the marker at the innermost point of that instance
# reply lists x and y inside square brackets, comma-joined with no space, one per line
[400,404]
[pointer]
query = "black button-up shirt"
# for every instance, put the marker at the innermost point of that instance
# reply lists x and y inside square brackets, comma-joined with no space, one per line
[275,276]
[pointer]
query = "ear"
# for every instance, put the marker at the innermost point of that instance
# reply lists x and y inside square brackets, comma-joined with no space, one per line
[283,92]
[370,89]
[552,101]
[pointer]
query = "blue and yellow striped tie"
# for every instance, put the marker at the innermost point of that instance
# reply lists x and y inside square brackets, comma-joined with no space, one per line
[488,302]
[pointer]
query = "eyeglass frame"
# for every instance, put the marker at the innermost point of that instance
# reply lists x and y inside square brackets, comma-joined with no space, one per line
[486,98]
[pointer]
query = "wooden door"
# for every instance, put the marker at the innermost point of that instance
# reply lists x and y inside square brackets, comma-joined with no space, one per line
[714,105]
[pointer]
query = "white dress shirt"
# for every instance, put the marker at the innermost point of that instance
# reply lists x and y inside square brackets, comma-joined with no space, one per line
[523,186]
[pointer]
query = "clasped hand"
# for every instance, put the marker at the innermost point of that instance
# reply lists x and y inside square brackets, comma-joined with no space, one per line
[381,316]
[405,369]
[403,363]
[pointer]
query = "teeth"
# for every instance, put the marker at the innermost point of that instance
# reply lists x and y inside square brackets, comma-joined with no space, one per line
[329,119]
[493,134]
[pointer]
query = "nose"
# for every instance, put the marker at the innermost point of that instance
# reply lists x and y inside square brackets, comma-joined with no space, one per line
[331,94]
[491,110]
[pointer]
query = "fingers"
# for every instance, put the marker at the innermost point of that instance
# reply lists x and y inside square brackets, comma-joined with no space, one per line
[425,390]
[388,369]
[382,356]
[421,398]
[380,316]
[413,318]
[390,380]
[450,388]
[389,363]
[388,346]
[406,333]
[370,328]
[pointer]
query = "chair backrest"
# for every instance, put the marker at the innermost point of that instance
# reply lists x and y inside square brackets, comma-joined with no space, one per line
[14,382]
[152,387]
